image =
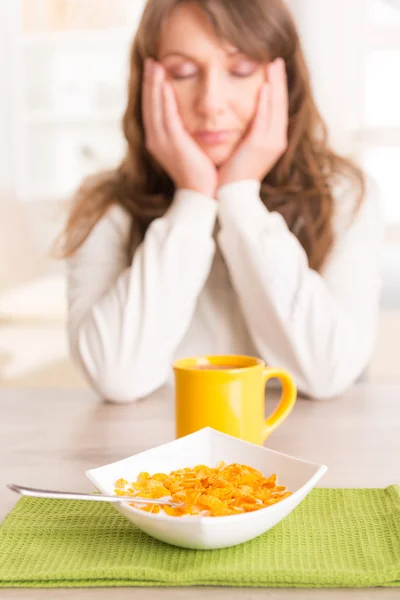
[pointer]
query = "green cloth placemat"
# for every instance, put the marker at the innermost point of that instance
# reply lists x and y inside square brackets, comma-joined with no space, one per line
[334,538]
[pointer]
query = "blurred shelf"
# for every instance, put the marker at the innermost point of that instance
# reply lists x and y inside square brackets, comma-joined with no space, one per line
[392,233]
[383,38]
[379,136]
[44,117]
[82,37]
[43,199]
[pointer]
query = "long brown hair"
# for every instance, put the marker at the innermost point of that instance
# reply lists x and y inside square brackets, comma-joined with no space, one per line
[301,184]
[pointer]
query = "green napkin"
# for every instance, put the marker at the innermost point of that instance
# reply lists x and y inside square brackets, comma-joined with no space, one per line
[334,538]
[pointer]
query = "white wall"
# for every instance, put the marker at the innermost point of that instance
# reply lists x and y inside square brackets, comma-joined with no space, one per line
[332,33]
[7,95]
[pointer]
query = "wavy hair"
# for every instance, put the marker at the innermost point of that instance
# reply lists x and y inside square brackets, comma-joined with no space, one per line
[301,184]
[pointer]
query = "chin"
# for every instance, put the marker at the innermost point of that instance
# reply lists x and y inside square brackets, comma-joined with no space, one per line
[218,156]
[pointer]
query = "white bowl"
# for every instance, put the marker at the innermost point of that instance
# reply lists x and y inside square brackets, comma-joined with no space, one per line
[209,447]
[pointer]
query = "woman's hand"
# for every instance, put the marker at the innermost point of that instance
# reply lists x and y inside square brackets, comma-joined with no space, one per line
[266,140]
[168,141]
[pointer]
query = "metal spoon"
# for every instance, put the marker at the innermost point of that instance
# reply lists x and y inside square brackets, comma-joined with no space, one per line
[27,491]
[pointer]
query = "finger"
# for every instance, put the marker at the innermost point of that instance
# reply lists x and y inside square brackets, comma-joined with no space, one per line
[157,107]
[261,121]
[173,120]
[146,113]
[152,103]
[279,101]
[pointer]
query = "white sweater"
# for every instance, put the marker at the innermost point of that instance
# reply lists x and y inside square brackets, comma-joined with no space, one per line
[242,288]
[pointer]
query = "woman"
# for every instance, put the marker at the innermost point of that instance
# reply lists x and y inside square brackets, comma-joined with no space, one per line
[231,226]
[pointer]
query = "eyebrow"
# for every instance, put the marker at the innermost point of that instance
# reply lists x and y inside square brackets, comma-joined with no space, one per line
[230,53]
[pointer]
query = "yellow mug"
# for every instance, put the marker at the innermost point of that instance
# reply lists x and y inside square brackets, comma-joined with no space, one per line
[227,393]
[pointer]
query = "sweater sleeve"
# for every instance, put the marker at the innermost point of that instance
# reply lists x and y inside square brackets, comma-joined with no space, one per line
[321,327]
[126,320]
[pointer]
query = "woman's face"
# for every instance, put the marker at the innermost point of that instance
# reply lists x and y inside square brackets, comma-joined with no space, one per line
[216,86]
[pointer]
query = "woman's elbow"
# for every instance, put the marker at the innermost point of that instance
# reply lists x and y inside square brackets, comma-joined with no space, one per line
[331,375]
[322,389]
[121,386]
[114,382]
[328,384]
[116,389]
[113,377]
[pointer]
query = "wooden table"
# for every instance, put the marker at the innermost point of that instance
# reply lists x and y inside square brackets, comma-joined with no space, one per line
[49,438]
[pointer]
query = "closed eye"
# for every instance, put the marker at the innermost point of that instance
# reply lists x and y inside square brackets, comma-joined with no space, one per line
[182,71]
[244,68]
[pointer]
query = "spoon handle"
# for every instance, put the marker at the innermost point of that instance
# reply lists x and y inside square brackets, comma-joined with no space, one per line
[27,491]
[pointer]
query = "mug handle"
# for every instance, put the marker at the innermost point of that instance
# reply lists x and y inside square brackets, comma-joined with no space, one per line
[287,401]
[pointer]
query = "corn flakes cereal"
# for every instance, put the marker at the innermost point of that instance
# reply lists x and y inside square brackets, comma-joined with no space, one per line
[213,492]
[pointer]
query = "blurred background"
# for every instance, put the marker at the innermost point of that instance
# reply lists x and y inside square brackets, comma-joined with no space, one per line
[63,73]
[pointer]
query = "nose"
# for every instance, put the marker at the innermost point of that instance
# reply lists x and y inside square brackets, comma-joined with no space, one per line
[211,95]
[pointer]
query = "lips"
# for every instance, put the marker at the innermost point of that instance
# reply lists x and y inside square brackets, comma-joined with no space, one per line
[212,137]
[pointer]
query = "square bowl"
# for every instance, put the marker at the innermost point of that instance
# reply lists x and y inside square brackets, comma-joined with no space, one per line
[209,447]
